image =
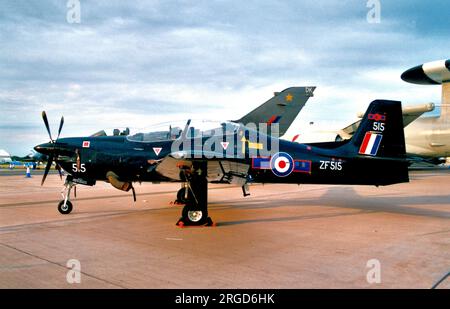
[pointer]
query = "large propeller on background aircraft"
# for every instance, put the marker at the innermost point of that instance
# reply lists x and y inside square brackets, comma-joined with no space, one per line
[52,156]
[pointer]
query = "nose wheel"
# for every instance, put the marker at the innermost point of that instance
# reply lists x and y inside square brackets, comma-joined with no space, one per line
[65,205]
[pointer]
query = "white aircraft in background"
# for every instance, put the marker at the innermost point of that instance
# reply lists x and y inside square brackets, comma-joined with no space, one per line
[430,136]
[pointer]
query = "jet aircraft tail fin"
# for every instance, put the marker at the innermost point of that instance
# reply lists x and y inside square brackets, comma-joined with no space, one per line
[282,108]
[380,133]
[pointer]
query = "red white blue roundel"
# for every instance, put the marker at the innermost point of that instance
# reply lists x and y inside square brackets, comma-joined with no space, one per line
[281,164]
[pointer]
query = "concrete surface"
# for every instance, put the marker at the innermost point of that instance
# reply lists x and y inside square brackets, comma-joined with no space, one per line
[282,236]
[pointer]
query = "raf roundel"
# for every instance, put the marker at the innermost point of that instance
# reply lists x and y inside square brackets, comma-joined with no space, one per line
[282,164]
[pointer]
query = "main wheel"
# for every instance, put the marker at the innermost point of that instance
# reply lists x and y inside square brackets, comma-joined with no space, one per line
[65,209]
[194,216]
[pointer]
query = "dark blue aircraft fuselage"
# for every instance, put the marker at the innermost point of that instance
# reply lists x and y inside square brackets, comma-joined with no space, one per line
[137,161]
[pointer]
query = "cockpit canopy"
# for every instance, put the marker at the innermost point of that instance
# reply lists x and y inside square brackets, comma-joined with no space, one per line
[197,128]
[154,136]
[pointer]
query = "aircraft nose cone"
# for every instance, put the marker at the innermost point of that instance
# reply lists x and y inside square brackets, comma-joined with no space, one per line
[45,148]
[416,75]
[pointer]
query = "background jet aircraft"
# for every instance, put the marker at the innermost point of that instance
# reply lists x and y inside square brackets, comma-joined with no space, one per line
[282,108]
[427,138]
[375,155]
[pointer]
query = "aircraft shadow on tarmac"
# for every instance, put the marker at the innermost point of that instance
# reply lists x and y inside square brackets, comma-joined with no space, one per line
[418,174]
[292,218]
[333,197]
[342,197]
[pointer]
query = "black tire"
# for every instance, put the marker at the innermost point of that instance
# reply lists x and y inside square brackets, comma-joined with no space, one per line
[65,210]
[194,216]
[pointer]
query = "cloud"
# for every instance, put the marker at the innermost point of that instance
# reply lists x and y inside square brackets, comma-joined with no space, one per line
[140,62]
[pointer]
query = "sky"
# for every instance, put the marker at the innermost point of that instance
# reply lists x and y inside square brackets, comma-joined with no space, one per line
[138,63]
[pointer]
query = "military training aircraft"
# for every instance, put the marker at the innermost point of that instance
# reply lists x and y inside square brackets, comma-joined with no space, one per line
[235,154]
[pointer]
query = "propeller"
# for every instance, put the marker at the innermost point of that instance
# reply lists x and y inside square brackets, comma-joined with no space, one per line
[47,168]
[44,117]
[59,170]
[61,123]
[52,156]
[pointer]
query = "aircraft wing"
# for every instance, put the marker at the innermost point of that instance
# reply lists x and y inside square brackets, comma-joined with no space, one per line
[410,113]
[220,170]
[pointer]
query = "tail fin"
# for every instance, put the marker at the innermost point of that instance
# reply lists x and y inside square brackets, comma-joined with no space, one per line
[282,108]
[380,133]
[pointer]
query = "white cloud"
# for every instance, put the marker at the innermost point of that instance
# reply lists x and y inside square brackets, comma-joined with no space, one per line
[136,63]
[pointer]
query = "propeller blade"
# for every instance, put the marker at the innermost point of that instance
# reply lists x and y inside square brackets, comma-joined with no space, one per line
[47,168]
[61,123]
[134,193]
[75,191]
[44,117]
[58,167]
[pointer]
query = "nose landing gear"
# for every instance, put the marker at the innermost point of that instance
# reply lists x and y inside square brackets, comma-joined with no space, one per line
[65,206]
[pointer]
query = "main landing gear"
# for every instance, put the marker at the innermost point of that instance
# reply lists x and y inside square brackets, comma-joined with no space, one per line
[183,195]
[65,206]
[194,194]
